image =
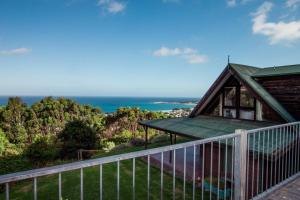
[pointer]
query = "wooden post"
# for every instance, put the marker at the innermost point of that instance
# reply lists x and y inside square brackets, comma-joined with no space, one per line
[170,153]
[146,136]
[240,167]
[174,138]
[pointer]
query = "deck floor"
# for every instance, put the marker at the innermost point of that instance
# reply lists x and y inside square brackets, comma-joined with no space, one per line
[290,191]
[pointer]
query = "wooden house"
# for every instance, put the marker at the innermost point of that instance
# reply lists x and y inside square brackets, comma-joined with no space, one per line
[242,97]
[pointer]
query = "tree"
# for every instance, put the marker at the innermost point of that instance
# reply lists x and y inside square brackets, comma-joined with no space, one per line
[13,120]
[77,135]
[3,142]
[126,118]
[32,124]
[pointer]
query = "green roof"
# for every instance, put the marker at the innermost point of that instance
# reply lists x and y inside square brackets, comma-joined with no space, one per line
[247,73]
[202,127]
[278,71]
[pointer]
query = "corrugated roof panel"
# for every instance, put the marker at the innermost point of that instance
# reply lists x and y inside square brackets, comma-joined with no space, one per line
[202,127]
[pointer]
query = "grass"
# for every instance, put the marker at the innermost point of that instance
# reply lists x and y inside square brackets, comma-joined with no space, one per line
[48,185]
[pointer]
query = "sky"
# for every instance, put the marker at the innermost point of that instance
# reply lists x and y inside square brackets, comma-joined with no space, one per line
[155,48]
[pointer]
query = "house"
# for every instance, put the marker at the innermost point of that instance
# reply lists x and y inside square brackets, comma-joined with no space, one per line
[242,97]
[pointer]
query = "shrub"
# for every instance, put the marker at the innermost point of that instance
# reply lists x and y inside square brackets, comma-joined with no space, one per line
[124,137]
[11,164]
[3,142]
[42,150]
[137,142]
[6,148]
[12,150]
[77,135]
[107,145]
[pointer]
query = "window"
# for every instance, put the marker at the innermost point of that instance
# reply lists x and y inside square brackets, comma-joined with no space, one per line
[231,113]
[238,103]
[247,114]
[246,100]
[215,108]
[229,96]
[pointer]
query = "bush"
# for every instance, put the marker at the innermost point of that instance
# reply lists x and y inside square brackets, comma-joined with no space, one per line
[77,135]
[3,142]
[6,148]
[137,142]
[11,164]
[124,137]
[42,150]
[107,145]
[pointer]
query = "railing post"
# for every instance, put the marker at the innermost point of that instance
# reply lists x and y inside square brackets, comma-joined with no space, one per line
[240,166]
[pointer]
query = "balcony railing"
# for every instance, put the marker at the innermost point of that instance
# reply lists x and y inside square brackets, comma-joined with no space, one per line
[242,165]
[273,158]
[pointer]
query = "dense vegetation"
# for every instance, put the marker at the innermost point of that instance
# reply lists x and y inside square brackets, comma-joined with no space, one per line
[56,128]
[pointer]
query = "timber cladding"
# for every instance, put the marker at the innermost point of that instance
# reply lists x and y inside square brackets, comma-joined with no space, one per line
[286,89]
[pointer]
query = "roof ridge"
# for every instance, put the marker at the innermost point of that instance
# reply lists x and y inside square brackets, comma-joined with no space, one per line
[277,66]
[244,65]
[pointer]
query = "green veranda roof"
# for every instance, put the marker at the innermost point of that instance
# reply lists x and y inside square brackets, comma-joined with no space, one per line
[202,127]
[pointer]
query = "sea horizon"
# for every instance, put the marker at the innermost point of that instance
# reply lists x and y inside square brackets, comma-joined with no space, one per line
[109,104]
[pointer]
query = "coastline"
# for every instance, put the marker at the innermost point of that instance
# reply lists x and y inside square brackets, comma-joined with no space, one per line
[109,105]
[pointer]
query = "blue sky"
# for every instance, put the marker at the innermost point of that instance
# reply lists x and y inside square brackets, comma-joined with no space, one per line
[173,48]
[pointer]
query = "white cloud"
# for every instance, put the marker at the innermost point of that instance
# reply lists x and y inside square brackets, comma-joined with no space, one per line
[195,58]
[112,6]
[17,51]
[190,55]
[280,32]
[293,4]
[231,3]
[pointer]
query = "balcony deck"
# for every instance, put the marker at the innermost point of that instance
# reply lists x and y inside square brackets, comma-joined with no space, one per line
[289,191]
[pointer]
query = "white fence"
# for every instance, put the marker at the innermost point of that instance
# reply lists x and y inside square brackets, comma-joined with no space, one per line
[242,165]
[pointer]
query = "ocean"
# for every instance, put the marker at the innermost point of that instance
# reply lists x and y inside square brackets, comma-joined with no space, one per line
[111,104]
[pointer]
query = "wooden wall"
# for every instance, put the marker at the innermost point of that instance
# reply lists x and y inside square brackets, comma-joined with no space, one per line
[286,89]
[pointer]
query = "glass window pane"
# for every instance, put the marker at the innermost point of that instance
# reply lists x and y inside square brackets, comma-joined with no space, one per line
[231,113]
[246,99]
[230,96]
[247,114]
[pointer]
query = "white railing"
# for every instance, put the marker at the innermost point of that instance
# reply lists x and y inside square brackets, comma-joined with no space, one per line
[273,158]
[242,165]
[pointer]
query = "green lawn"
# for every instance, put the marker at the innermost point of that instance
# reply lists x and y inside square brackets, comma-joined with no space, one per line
[48,186]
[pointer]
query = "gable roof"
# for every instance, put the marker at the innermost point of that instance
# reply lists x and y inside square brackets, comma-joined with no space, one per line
[246,74]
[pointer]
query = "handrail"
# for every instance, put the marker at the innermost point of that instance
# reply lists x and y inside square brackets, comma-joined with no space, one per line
[273,127]
[93,162]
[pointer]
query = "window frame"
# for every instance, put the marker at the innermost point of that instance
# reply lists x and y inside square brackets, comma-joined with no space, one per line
[237,107]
